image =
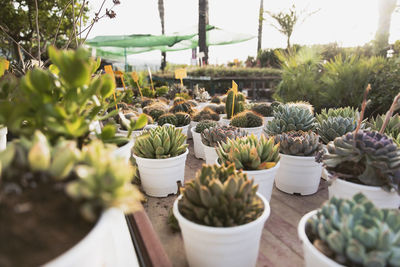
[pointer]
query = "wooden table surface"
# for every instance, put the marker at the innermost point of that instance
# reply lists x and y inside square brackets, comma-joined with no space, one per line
[279,242]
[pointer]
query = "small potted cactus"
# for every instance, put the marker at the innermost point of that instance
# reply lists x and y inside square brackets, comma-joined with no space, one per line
[160,154]
[221,217]
[204,114]
[299,172]
[180,120]
[181,105]
[257,157]
[249,122]
[196,133]
[234,104]
[365,161]
[211,137]
[265,110]
[350,232]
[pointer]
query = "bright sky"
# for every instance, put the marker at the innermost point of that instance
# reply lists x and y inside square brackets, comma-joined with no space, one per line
[348,22]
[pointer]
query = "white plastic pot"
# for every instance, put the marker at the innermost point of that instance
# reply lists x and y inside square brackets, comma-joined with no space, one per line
[298,174]
[210,154]
[124,151]
[224,121]
[382,199]
[312,256]
[264,179]
[267,119]
[222,246]
[197,145]
[95,127]
[3,138]
[192,125]
[184,129]
[257,131]
[159,177]
[107,244]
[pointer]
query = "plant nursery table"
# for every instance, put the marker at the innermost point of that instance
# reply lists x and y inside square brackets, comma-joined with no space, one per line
[279,245]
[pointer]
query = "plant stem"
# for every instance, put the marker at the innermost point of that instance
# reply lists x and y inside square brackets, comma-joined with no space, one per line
[363,106]
[59,23]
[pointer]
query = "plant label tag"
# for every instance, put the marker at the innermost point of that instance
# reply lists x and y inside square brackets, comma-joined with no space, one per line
[108,69]
[135,76]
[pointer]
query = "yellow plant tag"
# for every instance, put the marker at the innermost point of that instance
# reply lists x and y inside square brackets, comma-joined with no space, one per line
[4,65]
[234,87]
[108,69]
[180,74]
[135,76]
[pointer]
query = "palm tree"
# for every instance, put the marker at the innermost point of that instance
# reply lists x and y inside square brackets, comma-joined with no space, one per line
[260,24]
[161,12]
[203,22]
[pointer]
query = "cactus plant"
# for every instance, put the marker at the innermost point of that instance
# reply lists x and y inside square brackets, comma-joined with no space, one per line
[299,143]
[247,119]
[155,110]
[162,90]
[160,143]
[353,232]
[392,129]
[181,105]
[167,118]
[216,100]
[334,127]
[220,196]
[290,118]
[214,135]
[182,118]
[238,101]
[205,114]
[249,153]
[365,157]
[264,109]
[147,102]
[201,126]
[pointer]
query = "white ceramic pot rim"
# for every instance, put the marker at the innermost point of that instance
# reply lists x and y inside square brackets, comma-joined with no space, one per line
[162,160]
[223,230]
[255,171]
[305,158]
[193,130]
[183,127]
[251,128]
[359,186]
[301,231]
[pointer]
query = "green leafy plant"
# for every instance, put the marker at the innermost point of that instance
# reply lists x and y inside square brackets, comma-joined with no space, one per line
[133,123]
[290,118]
[160,143]
[215,135]
[346,112]
[247,119]
[392,128]
[353,232]
[206,124]
[220,197]
[249,153]
[205,114]
[148,92]
[264,109]
[299,143]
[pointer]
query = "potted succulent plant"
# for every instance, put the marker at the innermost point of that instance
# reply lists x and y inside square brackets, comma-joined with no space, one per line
[365,161]
[298,172]
[234,104]
[180,120]
[350,232]
[196,133]
[181,105]
[160,154]
[155,110]
[204,114]
[221,217]
[257,157]
[249,122]
[265,110]
[63,193]
[211,137]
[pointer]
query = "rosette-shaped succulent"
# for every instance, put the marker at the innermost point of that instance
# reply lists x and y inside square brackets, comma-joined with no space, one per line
[302,104]
[220,196]
[160,143]
[334,127]
[392,128]
[201,126]
[299,143]
[167,118]
[355,233]
[347,112]
[205,114]
[249,152]
[264,109]
[247,119]
[290,118]
[214,135]
[368,158]
[183,119]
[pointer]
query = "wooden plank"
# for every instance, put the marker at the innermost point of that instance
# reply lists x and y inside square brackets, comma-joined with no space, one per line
[287,213]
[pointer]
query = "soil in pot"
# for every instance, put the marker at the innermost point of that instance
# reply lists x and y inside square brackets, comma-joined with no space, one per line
[38,225]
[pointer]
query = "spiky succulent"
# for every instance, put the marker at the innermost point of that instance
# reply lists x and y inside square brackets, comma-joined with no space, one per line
[354,232]
[167,118]
[290,118]
[201,126]
[214,135]
[299,143]
[220,196]
[264,109]
[249,152]
[160,143]
[181,106]
[147,101]
[215,99]
[155,110]
[347,112]
[392,129]
[183,119]
[368,158]
[206,114]
[247,119]
[334,127]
